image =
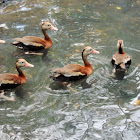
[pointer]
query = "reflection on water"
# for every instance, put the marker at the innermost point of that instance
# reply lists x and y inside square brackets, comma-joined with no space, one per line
[101,111]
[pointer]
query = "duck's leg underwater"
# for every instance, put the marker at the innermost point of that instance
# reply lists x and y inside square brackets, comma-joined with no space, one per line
[113,73]
[34,53]
[70,88]
[5,97]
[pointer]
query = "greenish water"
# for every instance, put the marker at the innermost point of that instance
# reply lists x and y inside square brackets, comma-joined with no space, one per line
[102,112]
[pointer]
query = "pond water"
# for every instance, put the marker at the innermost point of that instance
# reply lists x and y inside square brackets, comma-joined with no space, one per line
[101,112]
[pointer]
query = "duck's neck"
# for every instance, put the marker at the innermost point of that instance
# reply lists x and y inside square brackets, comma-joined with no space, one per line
[120,50]
[20,73]
[46,35]
[87,64]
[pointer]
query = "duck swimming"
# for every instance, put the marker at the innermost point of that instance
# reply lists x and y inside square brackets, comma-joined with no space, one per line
[120,61]
[73,72]
[33,43]
[10,81]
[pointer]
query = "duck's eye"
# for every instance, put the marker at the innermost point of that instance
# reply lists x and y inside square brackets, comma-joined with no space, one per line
[22,62]
[90,50]
[49,25]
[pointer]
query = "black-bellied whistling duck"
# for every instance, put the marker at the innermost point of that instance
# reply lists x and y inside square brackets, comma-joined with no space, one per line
[74,72]
[9,80]
[120,61]
[33,43]
[2,41]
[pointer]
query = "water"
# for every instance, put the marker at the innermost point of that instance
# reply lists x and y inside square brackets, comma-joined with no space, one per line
[100,112]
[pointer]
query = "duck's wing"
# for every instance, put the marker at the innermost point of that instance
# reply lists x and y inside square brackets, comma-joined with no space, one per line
[8,81]
[8,78]
[69,70]
[29,41]
[121,61]
[128,63]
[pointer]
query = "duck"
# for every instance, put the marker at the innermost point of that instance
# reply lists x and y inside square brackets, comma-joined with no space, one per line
[121,61]
[10,80]
[74,72]
[33,43]
[2,41]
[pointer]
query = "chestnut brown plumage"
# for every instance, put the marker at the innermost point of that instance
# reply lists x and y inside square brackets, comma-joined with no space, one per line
[72,72]
[9,80]
[33,43]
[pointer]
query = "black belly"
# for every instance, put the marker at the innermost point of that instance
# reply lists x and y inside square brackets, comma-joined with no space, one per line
[8,86]
[63,78]
[28,47]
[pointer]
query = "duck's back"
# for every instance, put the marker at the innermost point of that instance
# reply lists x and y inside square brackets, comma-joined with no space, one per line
[121,60]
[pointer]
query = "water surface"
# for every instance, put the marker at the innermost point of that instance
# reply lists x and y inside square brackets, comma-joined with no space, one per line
[101,112]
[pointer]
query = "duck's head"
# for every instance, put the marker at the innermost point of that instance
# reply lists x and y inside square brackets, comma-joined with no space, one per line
[120,44]
[88,50]
[23,63]
[47,25]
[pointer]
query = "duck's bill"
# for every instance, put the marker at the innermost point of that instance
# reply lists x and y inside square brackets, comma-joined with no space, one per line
[2,41]
[29,65]
[53,28]
[97,52]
